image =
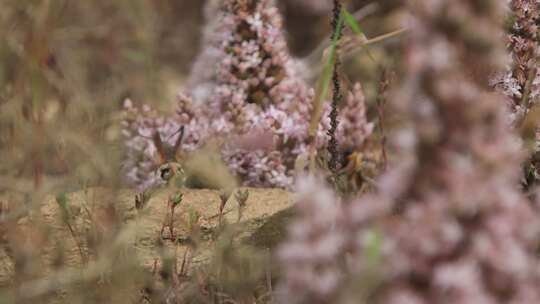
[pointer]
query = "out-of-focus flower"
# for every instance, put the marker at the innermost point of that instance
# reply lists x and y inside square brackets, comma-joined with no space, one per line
[455,226]
[315,247]
[258,168]
[354,128]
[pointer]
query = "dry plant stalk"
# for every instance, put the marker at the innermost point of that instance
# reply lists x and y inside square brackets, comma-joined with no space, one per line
[336,87]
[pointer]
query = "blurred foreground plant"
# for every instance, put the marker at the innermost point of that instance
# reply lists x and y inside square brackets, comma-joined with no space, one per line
[63,67]
[454,226]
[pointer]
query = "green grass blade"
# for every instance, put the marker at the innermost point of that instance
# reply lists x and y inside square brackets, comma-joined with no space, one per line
[355,26]
[352,23]
[324,81]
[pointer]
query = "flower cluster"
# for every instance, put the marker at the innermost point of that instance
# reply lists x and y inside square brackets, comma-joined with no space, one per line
[455,227]
[354,128]
[521,82]
[315,246]
[326,234]
[255,87]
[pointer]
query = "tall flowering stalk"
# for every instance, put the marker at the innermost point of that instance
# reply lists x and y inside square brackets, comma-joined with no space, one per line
[454,226]
[524,43]
[336,86]
[256,89]
[254,92]
[520,83]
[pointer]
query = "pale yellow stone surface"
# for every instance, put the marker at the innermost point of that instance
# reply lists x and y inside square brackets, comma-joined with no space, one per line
[110,218]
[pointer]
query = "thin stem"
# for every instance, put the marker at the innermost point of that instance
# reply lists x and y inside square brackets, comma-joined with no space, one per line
[384,83]
[336,96]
